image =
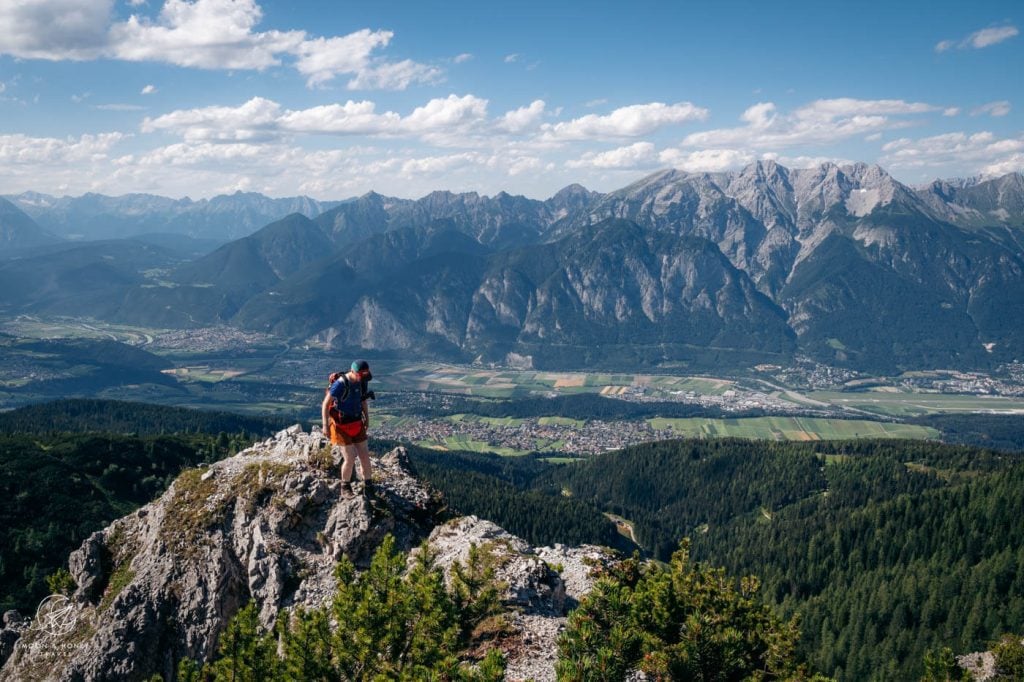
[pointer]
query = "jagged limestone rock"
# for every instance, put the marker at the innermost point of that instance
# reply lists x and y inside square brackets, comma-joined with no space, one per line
[268,525]
[539,586]
[11,628]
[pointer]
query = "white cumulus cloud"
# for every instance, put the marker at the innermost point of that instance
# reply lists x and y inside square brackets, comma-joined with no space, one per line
[350,118]
[638,155]
[204,34]
[436,165]
[207,34]
[820,122]
[450,112]
[24,149]
[260,118]
[981,152]
[706,160]
[322,59]
[394,76]
[55,29]
[986,37]
[257,118]
[523,118]
[629,121]
[1000,108]
[148,90]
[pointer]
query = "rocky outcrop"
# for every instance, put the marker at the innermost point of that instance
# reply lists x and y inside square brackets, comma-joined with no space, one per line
[539,587]
[268,526]
[11,628]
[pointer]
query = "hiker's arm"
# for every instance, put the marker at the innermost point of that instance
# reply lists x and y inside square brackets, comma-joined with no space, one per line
[366,413]
[324,410]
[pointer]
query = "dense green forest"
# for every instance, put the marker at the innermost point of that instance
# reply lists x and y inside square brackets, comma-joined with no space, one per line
[496,488]
[1002,432]
[82,415]
[541,519]
[884,549]
[671,488]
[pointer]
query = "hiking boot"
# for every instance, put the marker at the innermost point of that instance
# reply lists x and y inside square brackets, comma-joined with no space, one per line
[346,489]
[367,487]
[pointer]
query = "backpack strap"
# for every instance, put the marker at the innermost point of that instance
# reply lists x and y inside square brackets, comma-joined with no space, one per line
[338,376]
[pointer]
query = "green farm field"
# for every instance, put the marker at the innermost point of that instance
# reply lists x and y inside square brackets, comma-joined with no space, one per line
[791,428]
[917,404]
[506,383]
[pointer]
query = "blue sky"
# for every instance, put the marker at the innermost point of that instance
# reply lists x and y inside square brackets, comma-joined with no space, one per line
[333,99]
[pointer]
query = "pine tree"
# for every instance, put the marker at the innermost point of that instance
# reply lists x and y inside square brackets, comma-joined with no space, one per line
[474,590]
[1009,653]
[676,622]
[387,623]
[248,655]
[306,645]
[940,666]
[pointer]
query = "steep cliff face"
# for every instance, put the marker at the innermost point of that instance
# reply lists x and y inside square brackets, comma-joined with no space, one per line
[266,526]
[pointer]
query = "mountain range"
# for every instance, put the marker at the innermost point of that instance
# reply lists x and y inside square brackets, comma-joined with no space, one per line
[221,218]
[841,263]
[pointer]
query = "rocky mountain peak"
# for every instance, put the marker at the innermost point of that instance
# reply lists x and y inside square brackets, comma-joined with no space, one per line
[653,181]
[372,198]
[764,189]
[267,526]
[764,170]
[571,191]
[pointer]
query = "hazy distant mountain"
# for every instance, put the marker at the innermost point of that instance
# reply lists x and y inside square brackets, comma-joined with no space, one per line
[500,221]
[18,230]
[89,280]
[842,263]
[224,217]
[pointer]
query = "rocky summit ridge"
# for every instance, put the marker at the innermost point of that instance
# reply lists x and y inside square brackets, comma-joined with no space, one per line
[267,526]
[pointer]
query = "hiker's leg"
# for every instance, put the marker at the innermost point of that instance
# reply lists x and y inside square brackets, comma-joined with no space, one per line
[363,450]
[349,453]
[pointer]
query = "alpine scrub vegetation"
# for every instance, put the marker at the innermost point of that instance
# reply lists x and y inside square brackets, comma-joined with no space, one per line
[677,622]
[394,621]
[399,621]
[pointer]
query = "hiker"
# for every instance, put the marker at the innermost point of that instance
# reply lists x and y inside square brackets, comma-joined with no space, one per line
[346,416]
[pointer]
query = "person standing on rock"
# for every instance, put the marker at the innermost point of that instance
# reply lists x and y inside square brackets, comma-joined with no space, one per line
[346,417]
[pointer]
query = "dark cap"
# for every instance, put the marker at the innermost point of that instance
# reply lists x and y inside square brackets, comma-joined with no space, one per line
[363,368]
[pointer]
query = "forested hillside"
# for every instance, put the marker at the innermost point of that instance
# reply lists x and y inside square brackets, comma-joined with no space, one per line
[884,549]
[82,415]
[999,431]
[494,488]
[69,468]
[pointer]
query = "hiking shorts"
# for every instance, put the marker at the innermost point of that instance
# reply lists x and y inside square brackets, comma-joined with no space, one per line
[348,434]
